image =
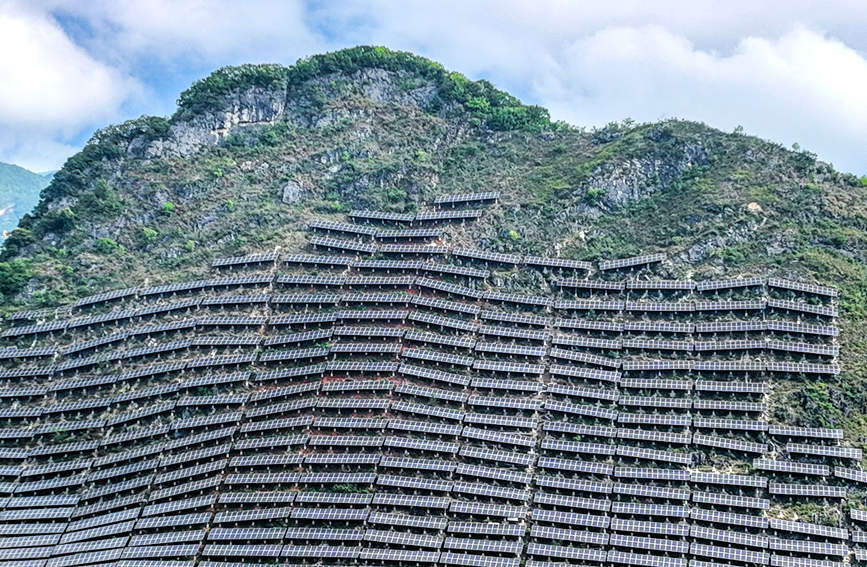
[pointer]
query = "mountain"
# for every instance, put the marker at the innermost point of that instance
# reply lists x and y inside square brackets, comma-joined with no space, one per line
[256,154]
[19,192]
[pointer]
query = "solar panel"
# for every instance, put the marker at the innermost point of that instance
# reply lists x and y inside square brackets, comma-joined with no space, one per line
[448,288]
[408,233]
[347,228]
[406,520]
[824,451]
[486,256]
[730,501]
[785,305]
[801,328]
[588,373]
[659,306]
[814,289]
[851,474]
[803,348]
[466,197]
[583,392]
[380,216]
[656,384]
[657,327]
[343,245]
[642,453]
[805,432]
[588,305]
[806,490]
[654,419]
[655,402]
[807,529]
[587,358]
[412,249]
[398,538]
[645,344]
[729,553]
[590,325]
[434,216]
[649,527]
[560,263]
[648,543]
[735,283]
[729,305]
[588,342]
[571,518]
[436,375]
[443,305]
[792,467]
[437,339]
[630,262]
[366,331]
[449,269]
[659,365]
[511,332]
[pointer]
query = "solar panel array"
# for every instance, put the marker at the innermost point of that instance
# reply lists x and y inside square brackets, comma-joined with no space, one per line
[342,411]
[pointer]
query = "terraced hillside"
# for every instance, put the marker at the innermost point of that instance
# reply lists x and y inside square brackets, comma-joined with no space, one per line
[377,399]
[255,153]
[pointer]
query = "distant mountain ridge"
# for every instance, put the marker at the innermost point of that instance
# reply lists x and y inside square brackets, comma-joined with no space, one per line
[19,193]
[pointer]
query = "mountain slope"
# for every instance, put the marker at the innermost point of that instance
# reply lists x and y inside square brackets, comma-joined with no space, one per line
[254,153]
[19,192]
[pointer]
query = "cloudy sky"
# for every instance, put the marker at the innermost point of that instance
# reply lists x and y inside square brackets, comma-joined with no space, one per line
[788,70]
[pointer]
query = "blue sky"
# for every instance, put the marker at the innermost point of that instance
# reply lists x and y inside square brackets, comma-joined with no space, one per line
[793,72]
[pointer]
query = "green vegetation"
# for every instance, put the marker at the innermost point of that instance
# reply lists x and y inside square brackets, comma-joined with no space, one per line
[14,276]
[486,104]
[110,219]
[108,246]
[149,234]
[594,196]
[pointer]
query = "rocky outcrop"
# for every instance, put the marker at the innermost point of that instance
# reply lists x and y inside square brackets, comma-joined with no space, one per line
[624,181]
[305,105]
[189,132]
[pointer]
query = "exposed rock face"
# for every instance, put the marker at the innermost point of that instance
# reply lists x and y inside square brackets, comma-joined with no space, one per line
[629,180]
[255,106]
[292,192]
[259,106]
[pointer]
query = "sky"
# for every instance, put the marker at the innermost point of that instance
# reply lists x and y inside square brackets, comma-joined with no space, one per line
[792,71]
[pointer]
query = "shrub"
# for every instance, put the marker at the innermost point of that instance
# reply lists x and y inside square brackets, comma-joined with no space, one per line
[594,196]
[329,207]
[59,220]
[108,246]
[17,240]
[149,234]
[102,201]
[168,208]
[14,276]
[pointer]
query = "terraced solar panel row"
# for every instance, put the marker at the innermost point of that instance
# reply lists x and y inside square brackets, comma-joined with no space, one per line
[452,430]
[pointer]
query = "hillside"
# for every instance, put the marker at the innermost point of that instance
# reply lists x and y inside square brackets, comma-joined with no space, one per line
[254,153]
[19,192]
[362,311]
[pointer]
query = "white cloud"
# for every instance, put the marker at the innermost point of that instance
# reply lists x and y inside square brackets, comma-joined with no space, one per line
[51,88]
[217,32]
[788,72]
[802,87]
